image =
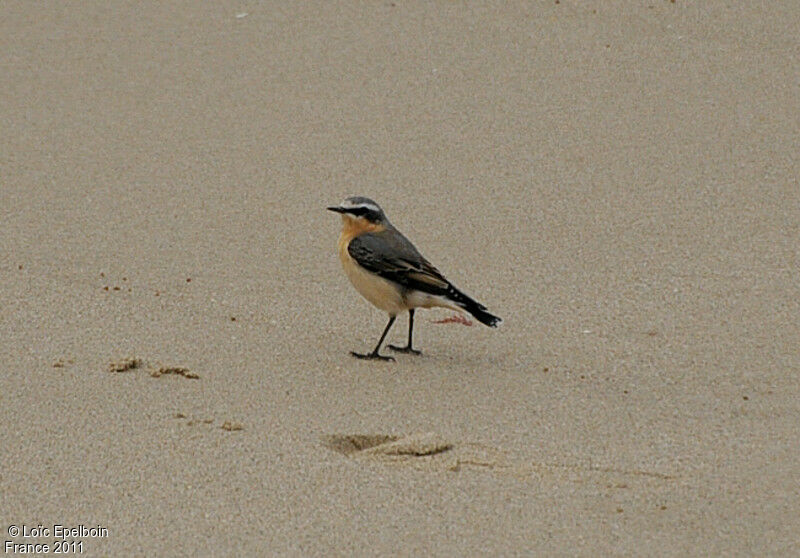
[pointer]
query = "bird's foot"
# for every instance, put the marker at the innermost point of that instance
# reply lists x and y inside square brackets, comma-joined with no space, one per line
[406,349]
[371,356]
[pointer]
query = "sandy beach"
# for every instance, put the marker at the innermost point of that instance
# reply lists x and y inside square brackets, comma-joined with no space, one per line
[617,180]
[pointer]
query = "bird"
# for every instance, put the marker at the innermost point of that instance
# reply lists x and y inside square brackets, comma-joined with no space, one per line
[388,270]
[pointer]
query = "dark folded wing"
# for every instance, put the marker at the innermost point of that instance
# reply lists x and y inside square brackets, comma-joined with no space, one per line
[391,256]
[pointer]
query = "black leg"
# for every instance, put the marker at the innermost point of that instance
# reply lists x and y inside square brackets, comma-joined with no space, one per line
[408,348]
[374,355]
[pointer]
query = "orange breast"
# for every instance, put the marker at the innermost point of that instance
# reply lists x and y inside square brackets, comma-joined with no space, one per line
[352,228]
[375,289]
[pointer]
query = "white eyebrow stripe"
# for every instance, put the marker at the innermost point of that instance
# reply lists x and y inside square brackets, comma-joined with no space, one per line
[369,206]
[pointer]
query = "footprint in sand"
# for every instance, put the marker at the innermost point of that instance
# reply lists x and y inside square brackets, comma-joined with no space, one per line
[430,452]
[417,445]
[426,450]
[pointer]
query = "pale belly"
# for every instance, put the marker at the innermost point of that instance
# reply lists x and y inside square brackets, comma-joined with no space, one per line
[380,292]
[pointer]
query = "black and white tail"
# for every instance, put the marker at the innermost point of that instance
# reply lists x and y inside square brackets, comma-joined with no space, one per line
[472,306]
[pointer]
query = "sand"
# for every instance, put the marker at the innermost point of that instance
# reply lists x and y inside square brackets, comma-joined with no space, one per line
[617,180]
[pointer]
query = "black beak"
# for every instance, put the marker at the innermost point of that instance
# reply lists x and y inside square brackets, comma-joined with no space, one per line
[336,208]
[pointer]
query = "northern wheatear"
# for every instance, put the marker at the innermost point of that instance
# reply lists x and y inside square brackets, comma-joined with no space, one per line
[389,271]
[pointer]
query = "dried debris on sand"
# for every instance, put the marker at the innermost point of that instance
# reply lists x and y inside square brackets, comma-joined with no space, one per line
[228,425]
[231,426]
[177,370]
[124,365]
[62,362]
[133,363]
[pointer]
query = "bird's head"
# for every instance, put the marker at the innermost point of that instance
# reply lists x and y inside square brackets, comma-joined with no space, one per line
[360,210]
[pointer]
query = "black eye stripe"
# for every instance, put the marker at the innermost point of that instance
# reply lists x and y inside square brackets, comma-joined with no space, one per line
[366,212]
[372,214]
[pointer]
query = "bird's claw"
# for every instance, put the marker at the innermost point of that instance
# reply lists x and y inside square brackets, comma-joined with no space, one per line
[405,349]
[371,356]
